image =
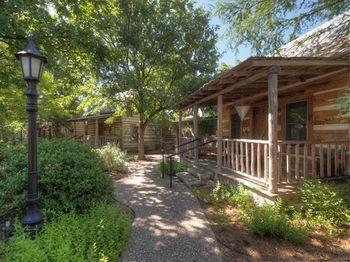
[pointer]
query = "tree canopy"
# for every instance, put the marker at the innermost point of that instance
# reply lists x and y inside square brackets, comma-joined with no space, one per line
[266,25]
[156,53]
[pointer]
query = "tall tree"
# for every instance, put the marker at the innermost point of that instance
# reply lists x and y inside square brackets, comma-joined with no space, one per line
[70,48]
[157,52]
[268,24]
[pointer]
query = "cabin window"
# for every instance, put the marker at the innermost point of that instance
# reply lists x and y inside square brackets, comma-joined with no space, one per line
[235,126]
[134,132]
[296,121]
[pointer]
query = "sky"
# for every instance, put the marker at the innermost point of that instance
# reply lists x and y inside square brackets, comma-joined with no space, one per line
[229,56]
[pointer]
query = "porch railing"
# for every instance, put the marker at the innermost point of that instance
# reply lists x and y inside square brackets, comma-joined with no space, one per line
[246,157]
[297,160]
[301,160]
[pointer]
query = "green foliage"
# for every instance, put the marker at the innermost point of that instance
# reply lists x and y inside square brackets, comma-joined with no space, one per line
[325,205]
[157,52]
[99,235]
[236,195]
[267,220]
[222,219]
[113,158]
[71,178]
[278,220]
[266,25]
[177,167]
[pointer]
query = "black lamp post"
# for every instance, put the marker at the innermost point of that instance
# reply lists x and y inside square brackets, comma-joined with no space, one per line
[32,65]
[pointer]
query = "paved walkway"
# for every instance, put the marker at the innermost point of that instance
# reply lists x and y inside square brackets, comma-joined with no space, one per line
[169,223]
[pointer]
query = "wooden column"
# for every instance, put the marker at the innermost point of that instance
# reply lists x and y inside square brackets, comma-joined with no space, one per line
[180,134]
[219,132]
[96,132]
[272,127]
[195,131]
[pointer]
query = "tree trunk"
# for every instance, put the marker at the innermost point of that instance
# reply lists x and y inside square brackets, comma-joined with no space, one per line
[141,144]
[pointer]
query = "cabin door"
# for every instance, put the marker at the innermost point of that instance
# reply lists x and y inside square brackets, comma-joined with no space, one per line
[235,126]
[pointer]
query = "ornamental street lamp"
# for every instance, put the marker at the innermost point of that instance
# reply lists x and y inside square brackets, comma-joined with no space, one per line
[32,65]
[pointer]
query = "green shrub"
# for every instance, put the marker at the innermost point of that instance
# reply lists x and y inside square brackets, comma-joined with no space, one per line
[113,158]
[267,220]
[236,195]
[324,205]
[177,167]
[71,178]
[273,221]
[99,235]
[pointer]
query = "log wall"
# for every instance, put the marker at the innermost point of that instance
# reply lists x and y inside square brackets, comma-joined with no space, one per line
[325,121]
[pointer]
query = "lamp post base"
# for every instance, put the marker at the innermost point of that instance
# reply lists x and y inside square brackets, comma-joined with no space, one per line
[33,220]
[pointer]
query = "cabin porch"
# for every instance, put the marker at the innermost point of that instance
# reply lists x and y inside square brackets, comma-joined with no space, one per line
[265,149]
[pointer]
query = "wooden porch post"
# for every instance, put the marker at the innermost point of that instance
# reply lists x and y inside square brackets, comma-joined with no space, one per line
[96,132]
[272,127]
[195,131]
[219,132]
[180,134]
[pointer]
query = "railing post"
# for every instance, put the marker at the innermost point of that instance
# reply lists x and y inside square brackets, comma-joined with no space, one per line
[163,164]
[195,131]
[179,148]
[272,127]
[171,171]
[219,133]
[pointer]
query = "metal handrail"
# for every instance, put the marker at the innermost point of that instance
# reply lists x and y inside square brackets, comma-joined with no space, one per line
[170,157]
[188,142]
[191,148]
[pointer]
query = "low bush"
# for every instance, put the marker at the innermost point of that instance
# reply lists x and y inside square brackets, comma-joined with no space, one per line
[113,158]
[177,167]
[99,235]
[278,220]
[325,205]
[70,178]
[266,220]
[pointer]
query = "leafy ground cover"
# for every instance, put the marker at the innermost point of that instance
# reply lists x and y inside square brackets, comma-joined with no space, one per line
[81,221]
[281,231]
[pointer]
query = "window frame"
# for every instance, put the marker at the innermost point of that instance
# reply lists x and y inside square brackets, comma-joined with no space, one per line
[306,101]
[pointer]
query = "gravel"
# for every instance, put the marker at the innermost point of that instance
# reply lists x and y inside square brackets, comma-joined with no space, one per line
[169,223]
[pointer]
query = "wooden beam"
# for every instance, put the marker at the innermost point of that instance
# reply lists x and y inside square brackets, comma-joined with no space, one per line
[230,88]
[219,131]
[273,127]
[285,88]
[301,62]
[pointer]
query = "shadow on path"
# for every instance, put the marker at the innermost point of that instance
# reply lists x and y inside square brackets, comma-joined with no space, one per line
[169,223]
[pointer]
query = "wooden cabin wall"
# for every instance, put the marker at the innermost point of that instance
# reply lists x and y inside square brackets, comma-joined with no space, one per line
[325,122]
[128,143]
[152,136]
[328,123]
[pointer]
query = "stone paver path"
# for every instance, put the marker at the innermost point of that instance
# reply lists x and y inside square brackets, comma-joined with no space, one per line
[169,223]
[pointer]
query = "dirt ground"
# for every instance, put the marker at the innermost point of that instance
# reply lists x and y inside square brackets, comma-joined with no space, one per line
[238,244]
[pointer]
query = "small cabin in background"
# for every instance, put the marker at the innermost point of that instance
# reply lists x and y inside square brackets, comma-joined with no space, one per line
[123,131]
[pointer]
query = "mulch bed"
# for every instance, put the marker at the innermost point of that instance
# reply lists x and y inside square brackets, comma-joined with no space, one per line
[238,244]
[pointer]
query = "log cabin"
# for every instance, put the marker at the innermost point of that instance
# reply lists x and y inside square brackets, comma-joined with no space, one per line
[279,118]
[123,130]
